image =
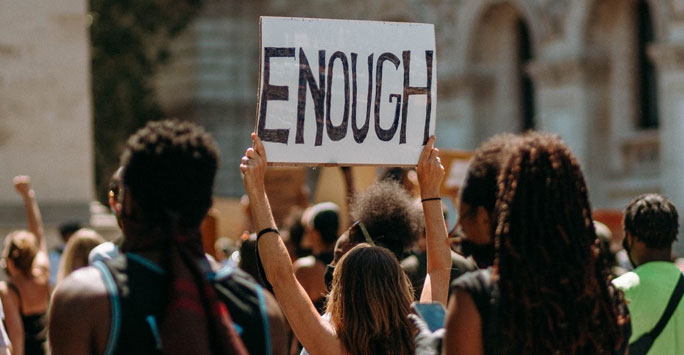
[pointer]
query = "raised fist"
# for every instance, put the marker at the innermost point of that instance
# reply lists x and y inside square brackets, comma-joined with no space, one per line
[23,184]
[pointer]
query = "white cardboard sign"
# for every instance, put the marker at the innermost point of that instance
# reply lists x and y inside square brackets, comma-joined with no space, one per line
[340,92]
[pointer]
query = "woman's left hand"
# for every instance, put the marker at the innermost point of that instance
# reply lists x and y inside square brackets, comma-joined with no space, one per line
[253,166]
[430,170]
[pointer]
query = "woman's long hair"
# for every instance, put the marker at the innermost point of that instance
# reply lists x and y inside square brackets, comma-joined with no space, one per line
[370,301]
[556,294]
[76,251]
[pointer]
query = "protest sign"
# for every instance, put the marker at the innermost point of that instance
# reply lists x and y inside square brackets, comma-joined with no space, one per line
[456,166]
[340,92]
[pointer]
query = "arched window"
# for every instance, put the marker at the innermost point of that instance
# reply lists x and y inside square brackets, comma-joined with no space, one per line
[503,92]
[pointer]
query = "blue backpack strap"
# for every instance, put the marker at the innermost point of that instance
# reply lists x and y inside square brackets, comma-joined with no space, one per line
[264,317]
[113,291]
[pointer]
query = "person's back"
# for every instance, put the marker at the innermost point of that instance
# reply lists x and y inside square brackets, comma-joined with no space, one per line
[647,290]
[651,224]
[158,295]
[548,290]
[26,293]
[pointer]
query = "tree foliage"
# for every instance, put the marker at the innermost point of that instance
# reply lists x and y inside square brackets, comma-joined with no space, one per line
[129,41]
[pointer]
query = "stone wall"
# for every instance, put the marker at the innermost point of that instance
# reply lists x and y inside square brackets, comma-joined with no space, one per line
[45,107]
[583,65]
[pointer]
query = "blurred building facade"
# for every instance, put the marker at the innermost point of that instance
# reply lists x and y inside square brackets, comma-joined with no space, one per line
[607,75]
[45,108]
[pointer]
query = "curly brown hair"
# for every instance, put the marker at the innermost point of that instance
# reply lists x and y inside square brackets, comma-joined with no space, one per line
[653,219]
[555,291]
[170,166]
[389,215]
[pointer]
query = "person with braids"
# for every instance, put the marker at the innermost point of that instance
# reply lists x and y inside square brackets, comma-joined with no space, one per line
[548,290]
[369,303]
[651,224]
[160,295]
[26,293]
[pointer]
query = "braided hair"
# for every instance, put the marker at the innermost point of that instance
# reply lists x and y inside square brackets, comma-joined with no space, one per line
[555,291]
[169,168]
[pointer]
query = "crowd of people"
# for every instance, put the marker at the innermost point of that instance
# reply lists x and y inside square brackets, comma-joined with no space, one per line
[525,270]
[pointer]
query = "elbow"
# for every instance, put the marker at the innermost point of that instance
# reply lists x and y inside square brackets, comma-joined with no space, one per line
[280,276]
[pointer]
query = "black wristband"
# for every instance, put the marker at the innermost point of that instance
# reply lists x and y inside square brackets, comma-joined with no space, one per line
[431,199]
[266,230]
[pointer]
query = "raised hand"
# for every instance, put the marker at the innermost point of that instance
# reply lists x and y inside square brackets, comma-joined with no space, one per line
[430,170]
[22,183]
[253,166]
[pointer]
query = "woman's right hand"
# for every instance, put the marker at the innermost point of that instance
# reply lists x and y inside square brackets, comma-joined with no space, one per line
[253,166]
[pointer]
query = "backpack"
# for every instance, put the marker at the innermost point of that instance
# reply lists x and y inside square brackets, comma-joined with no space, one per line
[136,290]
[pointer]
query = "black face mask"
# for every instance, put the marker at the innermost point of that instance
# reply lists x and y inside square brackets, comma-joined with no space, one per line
[328,277]
[483,254]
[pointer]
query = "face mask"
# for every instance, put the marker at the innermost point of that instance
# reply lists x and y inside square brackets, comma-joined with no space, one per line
[483,254]
[328,277]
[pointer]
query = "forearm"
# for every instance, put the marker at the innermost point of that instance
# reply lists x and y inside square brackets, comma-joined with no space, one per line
[33,217]
[272,251]
[438,254]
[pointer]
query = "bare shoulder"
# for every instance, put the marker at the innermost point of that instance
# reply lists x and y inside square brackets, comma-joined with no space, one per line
[80,305]
[84,283]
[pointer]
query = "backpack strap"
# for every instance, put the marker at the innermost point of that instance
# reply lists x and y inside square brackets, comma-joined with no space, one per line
[264,317]
[669,310]
[246,302]
[113,291]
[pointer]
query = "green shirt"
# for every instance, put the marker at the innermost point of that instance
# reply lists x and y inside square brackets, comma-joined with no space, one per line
[647,291]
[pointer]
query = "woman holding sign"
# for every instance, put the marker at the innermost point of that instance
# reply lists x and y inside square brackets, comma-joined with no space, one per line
[370,298]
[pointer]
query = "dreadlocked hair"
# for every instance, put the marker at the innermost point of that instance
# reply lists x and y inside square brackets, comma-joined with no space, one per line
[169,168]
[555,291]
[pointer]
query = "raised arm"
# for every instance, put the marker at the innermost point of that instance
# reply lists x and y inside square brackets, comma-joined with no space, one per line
[313,332]
[430,175]
[22,184]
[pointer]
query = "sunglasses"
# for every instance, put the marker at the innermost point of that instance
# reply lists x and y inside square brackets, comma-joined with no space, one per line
[364,231]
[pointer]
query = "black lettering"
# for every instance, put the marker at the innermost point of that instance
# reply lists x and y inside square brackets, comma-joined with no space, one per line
[272,92]
[360,133]
[337,133]
[385,134]
[416,90]
[317,93]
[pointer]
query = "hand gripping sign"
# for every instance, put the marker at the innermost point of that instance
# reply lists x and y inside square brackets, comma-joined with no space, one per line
[339,92]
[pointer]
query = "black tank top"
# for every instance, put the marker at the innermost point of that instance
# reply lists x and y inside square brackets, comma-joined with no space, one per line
[34,325]
[485,295]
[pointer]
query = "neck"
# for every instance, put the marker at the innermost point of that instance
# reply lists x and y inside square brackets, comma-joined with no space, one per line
[649,255]
[146,240]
